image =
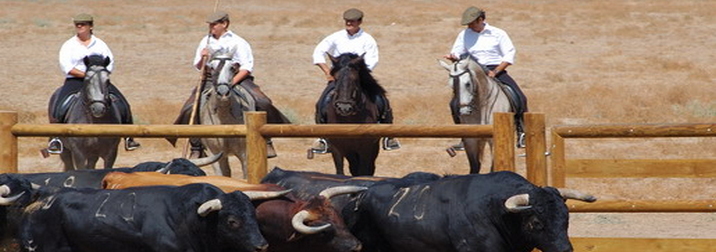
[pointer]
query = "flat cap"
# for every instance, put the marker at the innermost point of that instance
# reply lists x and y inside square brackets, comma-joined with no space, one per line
[82,18]
[217,17]
[471,14]
[352,14]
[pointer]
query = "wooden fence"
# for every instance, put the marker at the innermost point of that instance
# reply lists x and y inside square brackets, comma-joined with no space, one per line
[639,168]
[256,131]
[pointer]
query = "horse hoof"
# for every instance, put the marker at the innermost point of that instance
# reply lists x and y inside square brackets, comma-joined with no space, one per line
[309,155]
[451,152]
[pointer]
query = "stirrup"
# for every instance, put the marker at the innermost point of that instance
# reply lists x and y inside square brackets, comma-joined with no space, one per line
[270,151]
[320,146]
[390,145]
[55,142]
[458,146]
[521,140]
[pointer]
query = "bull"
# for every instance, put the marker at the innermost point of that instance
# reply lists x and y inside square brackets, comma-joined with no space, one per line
[288,223]
[196,217]
[499,211]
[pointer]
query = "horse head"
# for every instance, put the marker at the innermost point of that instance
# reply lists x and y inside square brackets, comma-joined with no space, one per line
[223,71]
[354,84]
[465,77]
[96,85]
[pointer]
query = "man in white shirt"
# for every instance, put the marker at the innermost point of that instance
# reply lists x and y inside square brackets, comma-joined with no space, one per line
[221,39]
[354,40]
[71,59]
[492,48]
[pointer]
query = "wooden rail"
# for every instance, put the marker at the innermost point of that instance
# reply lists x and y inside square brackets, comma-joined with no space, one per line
[615,244]
[256,131]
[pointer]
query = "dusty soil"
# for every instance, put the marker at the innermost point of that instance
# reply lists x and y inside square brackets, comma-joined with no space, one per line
[633,61]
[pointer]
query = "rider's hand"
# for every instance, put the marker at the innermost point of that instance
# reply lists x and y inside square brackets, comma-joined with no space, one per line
[450,57]
[492,74]
[330,77]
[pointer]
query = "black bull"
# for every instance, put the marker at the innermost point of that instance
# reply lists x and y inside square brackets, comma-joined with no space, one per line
[422,212]
[196,217]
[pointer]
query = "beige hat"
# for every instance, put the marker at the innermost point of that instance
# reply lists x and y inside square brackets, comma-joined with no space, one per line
[217,17]
[83,18]
[471,14]
[352,14]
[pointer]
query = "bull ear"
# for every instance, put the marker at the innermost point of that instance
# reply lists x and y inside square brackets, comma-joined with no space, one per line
[518,203]
[208,207]
[444,65]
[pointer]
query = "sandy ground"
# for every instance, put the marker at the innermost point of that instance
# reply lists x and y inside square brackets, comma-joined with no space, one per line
[578,62]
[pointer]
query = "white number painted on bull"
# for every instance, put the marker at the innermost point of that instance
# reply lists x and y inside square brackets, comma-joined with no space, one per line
[48,202]
[422,206]
[131,199]
[101,215]
[402,192]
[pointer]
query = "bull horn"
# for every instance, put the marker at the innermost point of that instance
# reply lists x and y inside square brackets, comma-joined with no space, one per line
[207,160]
[518,203]
[300,217]
[340,190]
[577,195]
[208,207]
[262,195]
[35,186]
[5,191]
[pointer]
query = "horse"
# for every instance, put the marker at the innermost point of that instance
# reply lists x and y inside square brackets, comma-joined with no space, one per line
[353,100]
[224,103]
[478,97]
[92,105]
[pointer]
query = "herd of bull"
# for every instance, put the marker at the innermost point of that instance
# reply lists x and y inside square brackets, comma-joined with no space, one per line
[174,206]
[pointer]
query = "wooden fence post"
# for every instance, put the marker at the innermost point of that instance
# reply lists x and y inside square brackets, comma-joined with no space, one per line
[535,150]
[256,146]
[559,165]
[504,140]
[8,142]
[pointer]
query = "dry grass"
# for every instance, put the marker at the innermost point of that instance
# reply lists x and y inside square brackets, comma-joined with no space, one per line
[633,61]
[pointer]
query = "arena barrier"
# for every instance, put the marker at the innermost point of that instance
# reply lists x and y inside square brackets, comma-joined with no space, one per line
[634,168]
[256,131]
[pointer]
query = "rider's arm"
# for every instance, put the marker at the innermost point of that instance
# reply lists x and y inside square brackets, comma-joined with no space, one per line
[77,73]
[241,75]
[326,70]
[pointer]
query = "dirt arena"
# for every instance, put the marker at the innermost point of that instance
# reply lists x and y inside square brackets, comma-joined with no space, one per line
[579,62]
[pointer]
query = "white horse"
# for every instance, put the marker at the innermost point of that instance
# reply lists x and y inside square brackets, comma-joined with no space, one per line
[224,103]
[476,97]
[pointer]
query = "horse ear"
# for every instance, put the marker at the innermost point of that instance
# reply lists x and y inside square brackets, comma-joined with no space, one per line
[107,60]
[334,61]
[362,55]
[86,60]
[444,65]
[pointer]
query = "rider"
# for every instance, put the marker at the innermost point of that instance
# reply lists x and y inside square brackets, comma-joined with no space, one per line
[491,47]
[72,53]
[222,39]
[355,40]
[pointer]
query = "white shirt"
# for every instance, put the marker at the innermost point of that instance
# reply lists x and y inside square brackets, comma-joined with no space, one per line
[228,43]
[491,46]
[341,42]
[73,51]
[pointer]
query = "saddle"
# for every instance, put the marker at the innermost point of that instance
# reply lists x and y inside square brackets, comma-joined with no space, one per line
[60,112]
[516,103]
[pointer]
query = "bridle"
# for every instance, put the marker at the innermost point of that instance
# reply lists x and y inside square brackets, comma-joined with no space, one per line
[92,74]
[219,69]
[456,85]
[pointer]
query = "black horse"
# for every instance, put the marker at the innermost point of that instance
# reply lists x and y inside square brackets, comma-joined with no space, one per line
[92,105]
[354,99]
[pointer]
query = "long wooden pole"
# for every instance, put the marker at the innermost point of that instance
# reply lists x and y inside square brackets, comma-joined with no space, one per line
[199,87]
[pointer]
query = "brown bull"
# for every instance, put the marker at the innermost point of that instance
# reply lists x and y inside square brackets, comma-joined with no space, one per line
[287,223]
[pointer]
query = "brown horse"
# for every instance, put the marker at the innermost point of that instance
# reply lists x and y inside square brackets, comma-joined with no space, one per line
[225,103]
[478,96]
[92,105]
[353,100]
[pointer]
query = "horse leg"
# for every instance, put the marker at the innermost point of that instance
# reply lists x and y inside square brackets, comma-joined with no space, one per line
[338,161]
[221,168]
[67,160]
[472,149]
[110,158]
[242,157]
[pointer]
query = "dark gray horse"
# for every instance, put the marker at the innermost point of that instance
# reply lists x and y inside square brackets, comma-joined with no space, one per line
[225,103]
[478,97]
[92,105]
[353,101]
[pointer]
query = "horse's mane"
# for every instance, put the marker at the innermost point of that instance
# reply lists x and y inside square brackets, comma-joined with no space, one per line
[367,82]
